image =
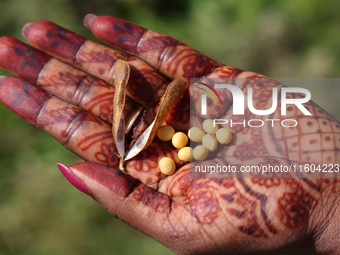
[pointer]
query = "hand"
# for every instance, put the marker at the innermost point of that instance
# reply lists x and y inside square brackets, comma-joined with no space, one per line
[69,95]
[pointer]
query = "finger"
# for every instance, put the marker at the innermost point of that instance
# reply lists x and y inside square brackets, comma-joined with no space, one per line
[84,134]
[172,58]
[143,208]
[77,87]
[79,131]
[146,84]
[215,211]
[68,83]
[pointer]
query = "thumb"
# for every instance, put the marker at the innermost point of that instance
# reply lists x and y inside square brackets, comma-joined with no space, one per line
[138,205]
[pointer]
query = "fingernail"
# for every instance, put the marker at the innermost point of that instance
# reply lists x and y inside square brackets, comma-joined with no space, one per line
[89,19]
[73,179]
[2,78]
[25,29]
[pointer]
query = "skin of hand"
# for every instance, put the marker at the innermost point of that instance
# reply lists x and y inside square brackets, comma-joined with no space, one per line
[64,87]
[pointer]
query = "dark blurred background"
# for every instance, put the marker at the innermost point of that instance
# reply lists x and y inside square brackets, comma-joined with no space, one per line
[40,212]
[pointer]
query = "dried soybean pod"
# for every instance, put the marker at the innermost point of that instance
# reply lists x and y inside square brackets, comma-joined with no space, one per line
[121,78]
[173,93]
[132,120]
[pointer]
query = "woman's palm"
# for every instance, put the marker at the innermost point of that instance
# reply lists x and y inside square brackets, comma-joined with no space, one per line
[191,211]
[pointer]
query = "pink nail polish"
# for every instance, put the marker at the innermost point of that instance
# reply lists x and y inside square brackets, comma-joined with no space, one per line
[70,176]
[89,19]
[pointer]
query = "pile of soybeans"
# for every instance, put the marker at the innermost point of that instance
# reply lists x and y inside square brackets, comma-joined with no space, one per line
[206,138]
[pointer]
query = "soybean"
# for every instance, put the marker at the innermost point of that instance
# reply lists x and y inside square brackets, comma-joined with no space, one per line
[196,134]
[224,136]
[186,154]
[201,152]
[208,126]
[165,133]
[209,142]
[179,140]
[167,166]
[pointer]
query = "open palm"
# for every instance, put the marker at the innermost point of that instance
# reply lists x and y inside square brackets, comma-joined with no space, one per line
[69,94]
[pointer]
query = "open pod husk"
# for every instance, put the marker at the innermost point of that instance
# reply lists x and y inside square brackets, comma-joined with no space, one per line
[172,94]
[121,78]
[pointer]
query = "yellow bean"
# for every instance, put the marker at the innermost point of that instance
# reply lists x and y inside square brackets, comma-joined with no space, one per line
[165,133]
[179,140]
[208,126]
[201,152]
[224,136]
[186,154]
[196,134]
[209,142]
[167,166]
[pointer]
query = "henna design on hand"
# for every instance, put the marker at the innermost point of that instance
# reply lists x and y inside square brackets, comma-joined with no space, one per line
[256,210]
[60,41]
[17,58]
[96,59]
